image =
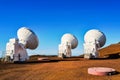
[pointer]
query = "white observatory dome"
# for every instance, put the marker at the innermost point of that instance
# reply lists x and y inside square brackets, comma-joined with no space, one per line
[71,39]
[28,38]
[95,35]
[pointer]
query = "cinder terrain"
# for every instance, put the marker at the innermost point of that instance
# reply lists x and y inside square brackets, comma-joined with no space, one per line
[112,51]
[74,68]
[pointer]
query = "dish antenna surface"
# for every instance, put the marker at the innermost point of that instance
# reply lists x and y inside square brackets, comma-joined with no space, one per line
[16,48]
[93,41]
[28,38]
[68,42]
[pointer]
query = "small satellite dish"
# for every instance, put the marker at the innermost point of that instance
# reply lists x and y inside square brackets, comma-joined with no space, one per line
[68,42]
[16,48]
[93,40]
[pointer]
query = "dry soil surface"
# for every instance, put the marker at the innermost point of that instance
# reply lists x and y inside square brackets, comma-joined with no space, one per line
[72,69]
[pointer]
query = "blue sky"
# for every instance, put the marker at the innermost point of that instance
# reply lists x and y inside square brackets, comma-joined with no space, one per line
[50,19]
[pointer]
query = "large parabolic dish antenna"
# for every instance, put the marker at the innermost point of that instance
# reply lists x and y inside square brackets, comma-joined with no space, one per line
[70,39]
[68,42]
[16,48]
[28,38]
[93,41]
[93,35]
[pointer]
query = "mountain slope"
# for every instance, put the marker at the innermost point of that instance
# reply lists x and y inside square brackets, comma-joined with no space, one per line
[112,51]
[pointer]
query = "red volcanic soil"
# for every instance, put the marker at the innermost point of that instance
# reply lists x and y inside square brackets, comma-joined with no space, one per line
[111,51]
[60,69]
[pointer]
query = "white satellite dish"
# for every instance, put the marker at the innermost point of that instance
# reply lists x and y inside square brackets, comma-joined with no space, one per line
[28,38]
[16,48]
[93,40]
[68,42]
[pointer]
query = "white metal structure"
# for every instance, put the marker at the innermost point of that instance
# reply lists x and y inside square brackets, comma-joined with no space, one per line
[68,42]
[16,48]
[93,41]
